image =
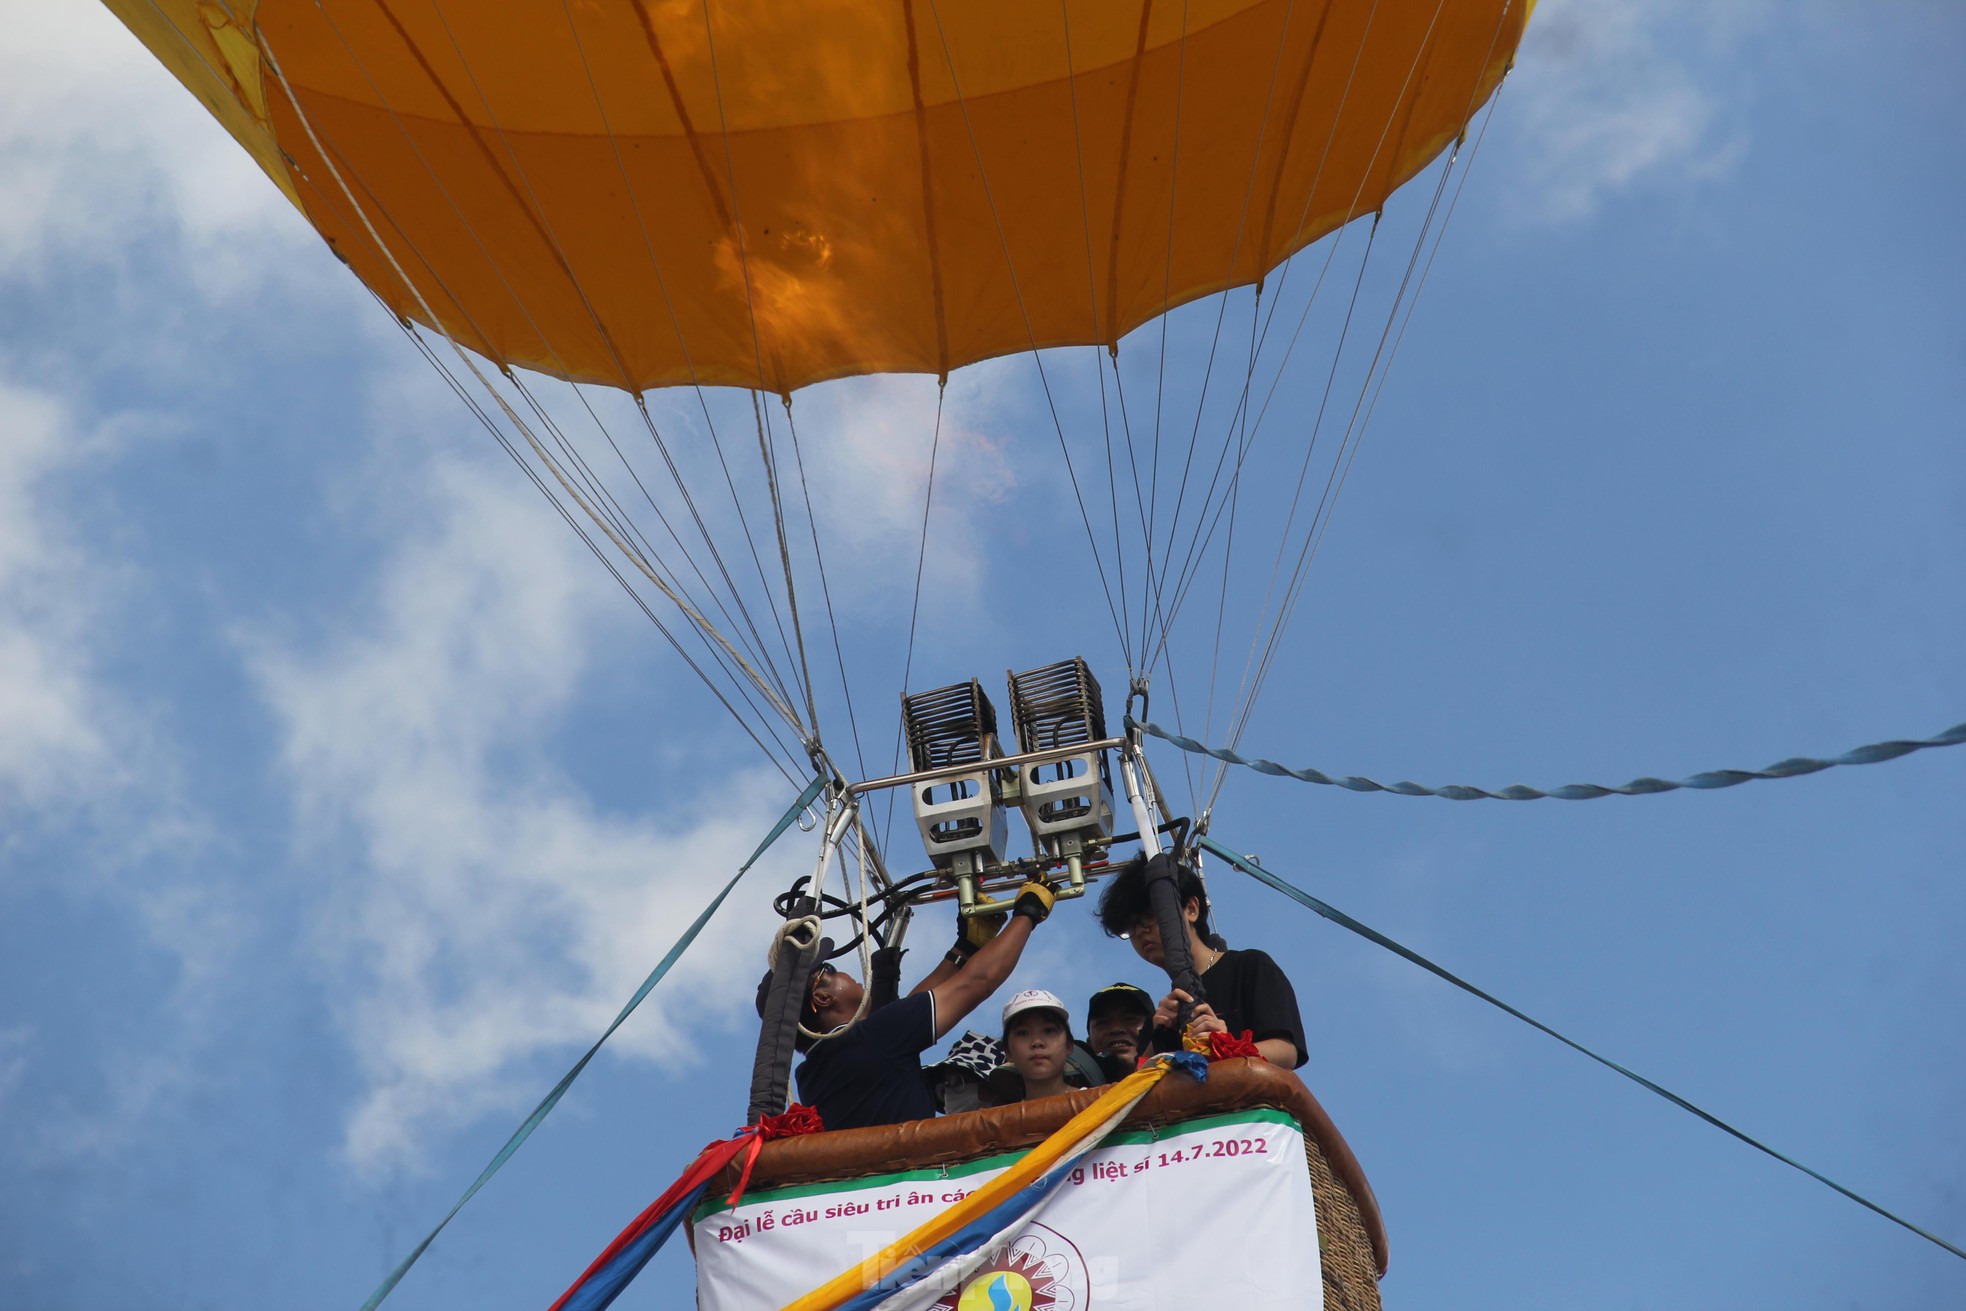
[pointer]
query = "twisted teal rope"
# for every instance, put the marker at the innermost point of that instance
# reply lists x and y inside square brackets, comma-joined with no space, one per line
[1794,767]
[552,1099]
[1249,866]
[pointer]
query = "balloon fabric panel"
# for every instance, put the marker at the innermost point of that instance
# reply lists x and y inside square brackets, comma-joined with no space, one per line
[630,193]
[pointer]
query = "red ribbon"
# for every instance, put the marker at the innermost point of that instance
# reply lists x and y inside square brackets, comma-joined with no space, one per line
[1228,1046]
[795,1122]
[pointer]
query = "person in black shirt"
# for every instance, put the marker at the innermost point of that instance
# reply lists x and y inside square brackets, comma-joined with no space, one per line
[869,1073]
[1246,991]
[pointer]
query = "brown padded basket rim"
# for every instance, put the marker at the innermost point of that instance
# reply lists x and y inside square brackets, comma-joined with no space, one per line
[947,1140]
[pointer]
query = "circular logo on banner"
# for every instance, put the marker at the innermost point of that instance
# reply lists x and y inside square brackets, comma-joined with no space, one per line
[1039,1270]
[999,1290]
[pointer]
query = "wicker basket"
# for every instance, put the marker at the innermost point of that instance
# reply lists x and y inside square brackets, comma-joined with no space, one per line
[1345,1252]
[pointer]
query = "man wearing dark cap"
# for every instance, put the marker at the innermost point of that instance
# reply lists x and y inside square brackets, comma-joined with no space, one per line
[869,1073]
[1115,1019]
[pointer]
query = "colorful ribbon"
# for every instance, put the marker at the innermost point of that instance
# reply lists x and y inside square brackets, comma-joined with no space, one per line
[631,1249]
[624,1258]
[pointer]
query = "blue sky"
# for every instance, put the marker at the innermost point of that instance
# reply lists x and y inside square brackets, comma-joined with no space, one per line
[343,797]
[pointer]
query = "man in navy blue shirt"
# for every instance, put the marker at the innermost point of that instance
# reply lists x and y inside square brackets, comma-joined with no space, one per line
[870,1073]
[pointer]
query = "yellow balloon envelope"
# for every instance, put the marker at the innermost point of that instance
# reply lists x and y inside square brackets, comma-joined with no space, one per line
[768,193]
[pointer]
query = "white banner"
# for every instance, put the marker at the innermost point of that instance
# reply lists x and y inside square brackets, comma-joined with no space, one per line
[1214,1213]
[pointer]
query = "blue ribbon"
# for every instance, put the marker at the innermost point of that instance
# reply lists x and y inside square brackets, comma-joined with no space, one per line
[597,1292]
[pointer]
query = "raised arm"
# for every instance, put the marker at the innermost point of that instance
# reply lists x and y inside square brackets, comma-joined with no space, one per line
[972,935]
[960,987]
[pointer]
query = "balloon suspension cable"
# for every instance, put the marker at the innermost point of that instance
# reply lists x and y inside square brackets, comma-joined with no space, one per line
[601,521]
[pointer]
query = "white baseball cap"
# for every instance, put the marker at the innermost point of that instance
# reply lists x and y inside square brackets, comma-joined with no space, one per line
[1035,999]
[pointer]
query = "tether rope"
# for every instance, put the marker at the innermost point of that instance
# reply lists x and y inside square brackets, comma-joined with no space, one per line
[552,1099]
[1794,767]
[1342,920]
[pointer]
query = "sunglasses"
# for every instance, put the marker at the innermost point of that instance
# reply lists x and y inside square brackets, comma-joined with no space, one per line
[820,972]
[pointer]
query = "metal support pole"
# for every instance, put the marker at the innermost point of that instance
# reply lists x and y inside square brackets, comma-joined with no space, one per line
[1132,765]
[1022,758]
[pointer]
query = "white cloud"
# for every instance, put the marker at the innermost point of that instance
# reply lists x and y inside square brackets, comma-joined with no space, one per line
[867,443]
[489,914]
[1614,95]
[55,746]
[75,746]
[81,765]
[100,148]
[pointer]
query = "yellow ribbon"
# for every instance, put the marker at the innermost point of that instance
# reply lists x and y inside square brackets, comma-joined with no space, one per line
[1115,1102]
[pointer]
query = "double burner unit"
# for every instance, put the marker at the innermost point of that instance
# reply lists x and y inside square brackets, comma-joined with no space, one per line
[1060,778]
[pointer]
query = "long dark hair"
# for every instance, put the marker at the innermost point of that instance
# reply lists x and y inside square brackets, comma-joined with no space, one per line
[1124,902]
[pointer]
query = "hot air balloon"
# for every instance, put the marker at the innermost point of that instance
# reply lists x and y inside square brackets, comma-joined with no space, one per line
[731,201]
